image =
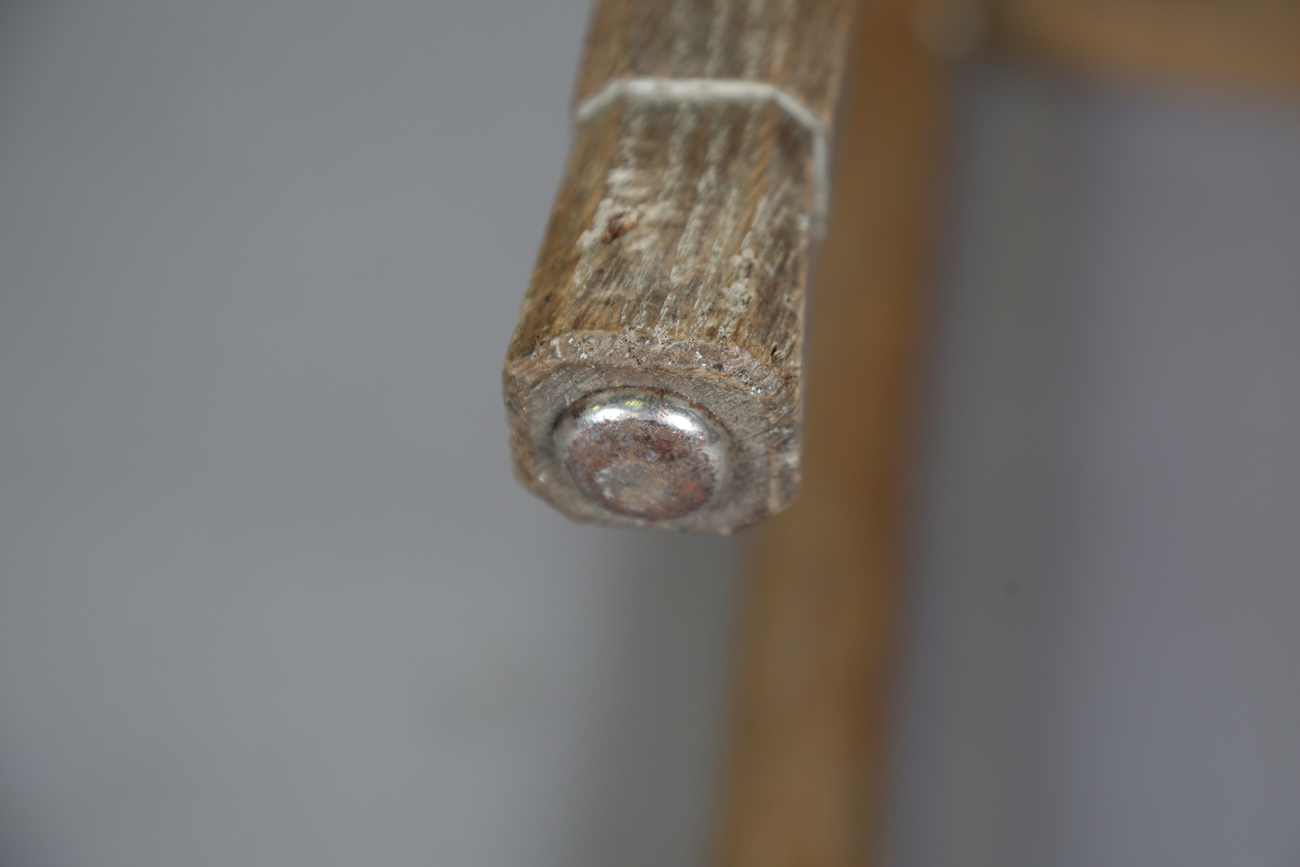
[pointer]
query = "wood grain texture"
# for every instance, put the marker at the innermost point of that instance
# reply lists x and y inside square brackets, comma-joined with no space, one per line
[1242,44]
[822,580]
[796,45]
[677,251]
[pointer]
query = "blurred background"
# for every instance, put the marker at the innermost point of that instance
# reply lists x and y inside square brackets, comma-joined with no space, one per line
[269,595]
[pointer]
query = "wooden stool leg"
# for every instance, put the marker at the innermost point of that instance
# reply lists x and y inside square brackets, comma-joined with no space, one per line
[804,784]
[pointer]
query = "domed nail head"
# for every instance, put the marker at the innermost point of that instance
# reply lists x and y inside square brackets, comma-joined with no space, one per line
[643,453]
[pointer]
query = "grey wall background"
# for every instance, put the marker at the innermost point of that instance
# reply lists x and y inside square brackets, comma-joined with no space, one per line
[268,593]
[269,596]
[1105,664]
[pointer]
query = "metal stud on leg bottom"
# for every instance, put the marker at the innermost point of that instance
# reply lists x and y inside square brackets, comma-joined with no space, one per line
[643,453]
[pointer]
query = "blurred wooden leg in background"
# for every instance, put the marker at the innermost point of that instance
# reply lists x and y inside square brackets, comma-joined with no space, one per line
[818,623]
[806,779]
[1220,44]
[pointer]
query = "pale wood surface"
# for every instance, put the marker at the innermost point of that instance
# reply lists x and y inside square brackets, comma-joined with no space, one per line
[677,252]
[797,45]
[822,579]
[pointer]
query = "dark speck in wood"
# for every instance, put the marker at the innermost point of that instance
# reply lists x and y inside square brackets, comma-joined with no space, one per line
[618,226]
